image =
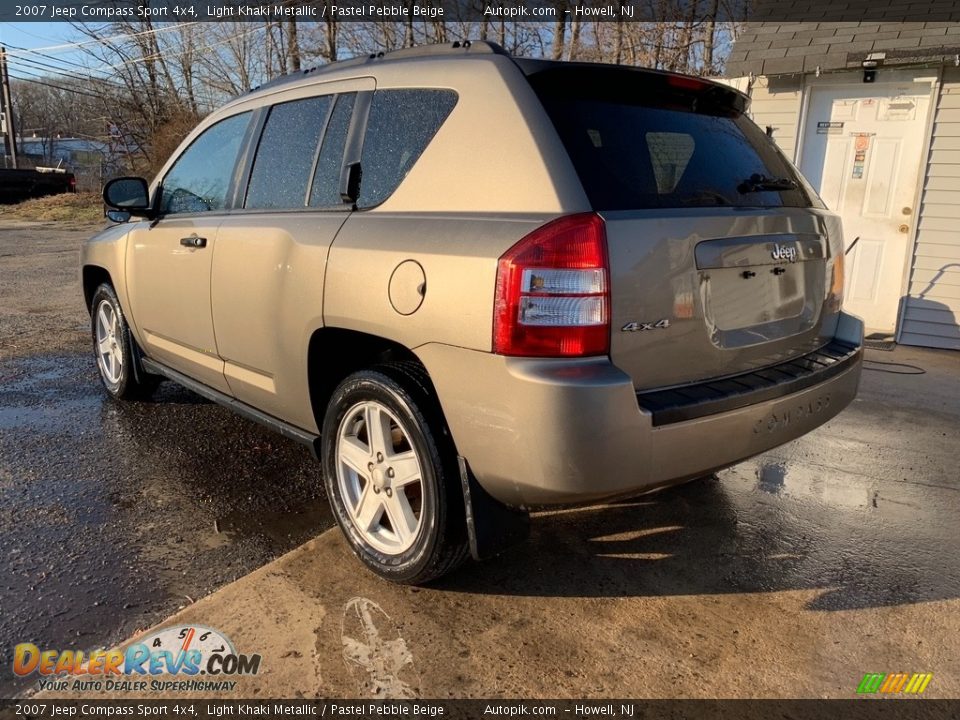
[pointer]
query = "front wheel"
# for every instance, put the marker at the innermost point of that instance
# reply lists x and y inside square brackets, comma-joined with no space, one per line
[113,348]
[390,473]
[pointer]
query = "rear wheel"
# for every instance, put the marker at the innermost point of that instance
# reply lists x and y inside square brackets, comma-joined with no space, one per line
[113,347]
[390,474]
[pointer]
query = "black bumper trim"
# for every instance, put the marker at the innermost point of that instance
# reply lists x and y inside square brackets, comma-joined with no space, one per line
[716,396]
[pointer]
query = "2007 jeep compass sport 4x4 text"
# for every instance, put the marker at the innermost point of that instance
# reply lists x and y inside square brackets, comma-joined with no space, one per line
[476,284]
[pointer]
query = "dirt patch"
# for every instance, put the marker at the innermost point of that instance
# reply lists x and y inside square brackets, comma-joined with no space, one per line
[69,207]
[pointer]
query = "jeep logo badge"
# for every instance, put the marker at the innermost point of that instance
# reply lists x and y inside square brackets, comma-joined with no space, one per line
[784,252]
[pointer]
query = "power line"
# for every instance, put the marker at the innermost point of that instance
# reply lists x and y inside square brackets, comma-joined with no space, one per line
[146,58]
[103,41]
[56,87]
[37,64]
[29,72]
[31,69]
[38,53]
[43,79]
[32,55]
[161,54]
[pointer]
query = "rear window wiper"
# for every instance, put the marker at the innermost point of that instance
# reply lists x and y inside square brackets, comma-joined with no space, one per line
[759,183]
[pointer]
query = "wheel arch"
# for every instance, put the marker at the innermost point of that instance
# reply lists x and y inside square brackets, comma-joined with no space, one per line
[93,276]
[334,353]
[490,525]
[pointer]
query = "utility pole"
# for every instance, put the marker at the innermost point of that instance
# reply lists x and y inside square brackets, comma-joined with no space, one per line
[10,130]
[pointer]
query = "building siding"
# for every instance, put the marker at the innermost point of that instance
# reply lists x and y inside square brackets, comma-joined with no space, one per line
[777,102]
[931,312]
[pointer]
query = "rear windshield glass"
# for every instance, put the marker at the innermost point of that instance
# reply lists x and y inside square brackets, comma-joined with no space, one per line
[639,141]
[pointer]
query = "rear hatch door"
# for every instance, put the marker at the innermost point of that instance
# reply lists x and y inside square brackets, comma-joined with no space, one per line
[722,257]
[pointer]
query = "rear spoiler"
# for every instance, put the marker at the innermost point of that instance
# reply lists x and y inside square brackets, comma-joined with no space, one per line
[633,85]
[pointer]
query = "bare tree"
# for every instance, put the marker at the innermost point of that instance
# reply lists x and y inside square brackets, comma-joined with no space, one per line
[151,83]
[293,46]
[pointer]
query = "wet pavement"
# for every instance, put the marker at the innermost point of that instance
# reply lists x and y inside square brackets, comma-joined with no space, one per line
[113,516]
[789,575]
[830,556]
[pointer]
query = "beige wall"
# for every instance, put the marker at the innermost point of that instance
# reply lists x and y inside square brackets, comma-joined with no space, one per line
[777,102]
[932,310]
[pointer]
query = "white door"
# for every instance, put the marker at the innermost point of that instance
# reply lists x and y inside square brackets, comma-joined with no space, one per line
[862,151]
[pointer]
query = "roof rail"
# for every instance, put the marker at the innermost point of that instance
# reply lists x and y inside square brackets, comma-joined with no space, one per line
[456,48]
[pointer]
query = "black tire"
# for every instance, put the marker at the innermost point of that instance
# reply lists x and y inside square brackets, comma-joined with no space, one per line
[441,543]
[130,383]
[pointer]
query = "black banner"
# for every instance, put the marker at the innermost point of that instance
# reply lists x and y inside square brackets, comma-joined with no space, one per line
[551,11]
[860,709]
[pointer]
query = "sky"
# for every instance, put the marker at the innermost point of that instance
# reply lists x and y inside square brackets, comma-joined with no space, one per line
[37,35]
[34,34]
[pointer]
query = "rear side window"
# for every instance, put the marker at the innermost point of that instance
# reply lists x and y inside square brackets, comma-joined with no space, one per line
[400,125]
[285,155]
[199,179]
[636,147]
[325,192]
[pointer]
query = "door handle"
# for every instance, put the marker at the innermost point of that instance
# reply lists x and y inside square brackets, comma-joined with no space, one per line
[193,242]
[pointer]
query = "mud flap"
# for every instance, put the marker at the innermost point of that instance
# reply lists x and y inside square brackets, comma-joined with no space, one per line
[492,526]
[139,374]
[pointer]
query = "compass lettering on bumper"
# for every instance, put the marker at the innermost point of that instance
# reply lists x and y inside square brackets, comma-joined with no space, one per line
[781,420]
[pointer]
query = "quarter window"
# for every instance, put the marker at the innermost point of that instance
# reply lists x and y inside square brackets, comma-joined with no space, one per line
[326,180]
[285,155]
[200,178]
[400,126]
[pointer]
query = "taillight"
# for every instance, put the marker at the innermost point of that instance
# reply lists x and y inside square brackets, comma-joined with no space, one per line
[553,291]
[686,83]
[835,301]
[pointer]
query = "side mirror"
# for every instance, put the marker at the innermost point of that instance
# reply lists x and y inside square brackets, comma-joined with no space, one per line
[128,194]
[118,216]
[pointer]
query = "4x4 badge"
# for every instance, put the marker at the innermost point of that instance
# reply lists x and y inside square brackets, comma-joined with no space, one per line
[639,326]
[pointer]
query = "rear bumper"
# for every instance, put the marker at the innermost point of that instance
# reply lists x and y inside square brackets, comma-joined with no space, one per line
[688,449]
[554,432]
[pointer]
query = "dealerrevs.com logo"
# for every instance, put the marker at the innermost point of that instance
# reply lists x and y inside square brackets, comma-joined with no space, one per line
[173,659]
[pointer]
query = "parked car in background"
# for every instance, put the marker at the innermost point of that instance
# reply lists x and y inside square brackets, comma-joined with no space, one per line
[17,185]
[475,284]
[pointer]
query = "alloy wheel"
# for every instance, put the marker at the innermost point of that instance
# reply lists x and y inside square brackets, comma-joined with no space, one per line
[379,477]
[109,343]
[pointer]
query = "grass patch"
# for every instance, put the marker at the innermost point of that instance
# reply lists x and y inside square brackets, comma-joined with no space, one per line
[68,207]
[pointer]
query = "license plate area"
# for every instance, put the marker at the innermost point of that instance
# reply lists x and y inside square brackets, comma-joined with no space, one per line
[762,288]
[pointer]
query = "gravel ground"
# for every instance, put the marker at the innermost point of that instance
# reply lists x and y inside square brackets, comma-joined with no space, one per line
[41,302]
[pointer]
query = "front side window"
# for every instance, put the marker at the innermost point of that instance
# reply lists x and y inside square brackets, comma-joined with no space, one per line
[288,147]
[400,126]
[200,178]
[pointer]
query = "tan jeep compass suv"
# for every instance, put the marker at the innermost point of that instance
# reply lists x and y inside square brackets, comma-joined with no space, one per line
[475,284]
